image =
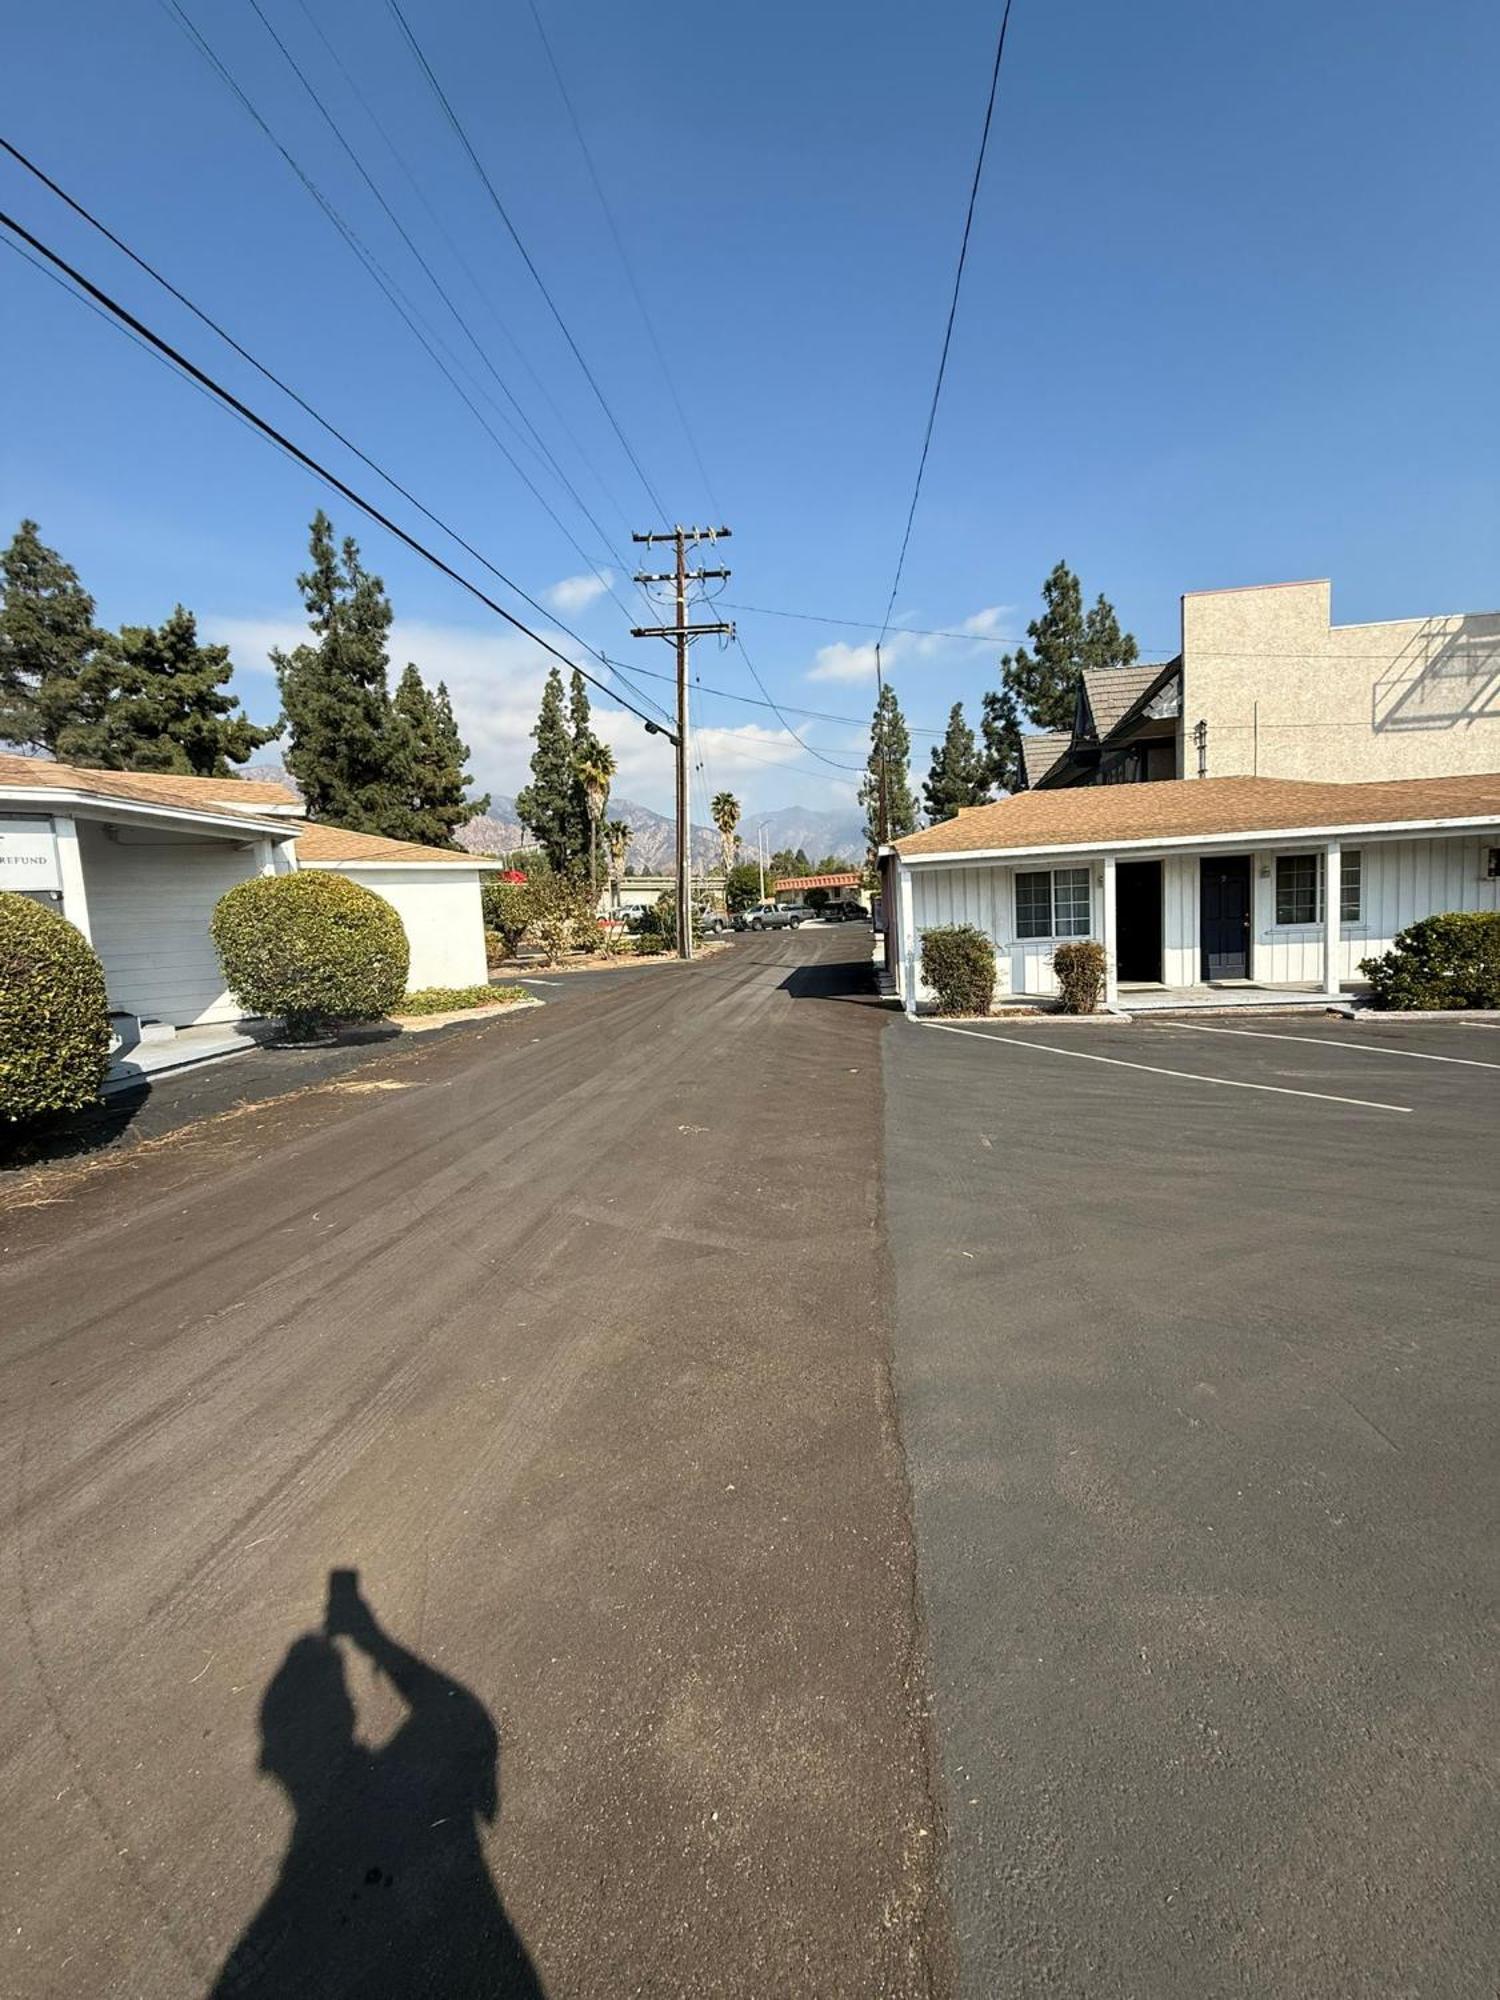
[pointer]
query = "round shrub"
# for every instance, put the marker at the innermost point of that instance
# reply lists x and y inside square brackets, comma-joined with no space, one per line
[958,963]
[1080,967]
[508,908]
[1440,962]
[310,949]
[54,1018]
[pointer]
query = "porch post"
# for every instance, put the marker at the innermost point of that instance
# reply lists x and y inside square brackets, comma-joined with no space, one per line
[70,874]
[1333,870]
[1110,938]
[906,937]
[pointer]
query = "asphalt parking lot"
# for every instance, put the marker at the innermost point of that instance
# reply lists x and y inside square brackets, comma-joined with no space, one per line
[1195,1360]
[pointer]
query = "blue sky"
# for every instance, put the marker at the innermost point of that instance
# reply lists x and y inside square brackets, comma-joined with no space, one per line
[1230,317]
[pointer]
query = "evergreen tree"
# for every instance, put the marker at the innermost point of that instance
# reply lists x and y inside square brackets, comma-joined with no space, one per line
[435,758]
[546,805]
[890,753]
[1001,726]
[345,749]
[153,699]
[788,861]
[1044,681]
[958,776]
[48,641]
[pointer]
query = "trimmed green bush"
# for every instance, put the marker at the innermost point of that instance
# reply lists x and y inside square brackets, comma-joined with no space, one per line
[958,963]
[458,999]
[54,1018]
[311,949]
[1440,963]
[1080,966]
[563,917]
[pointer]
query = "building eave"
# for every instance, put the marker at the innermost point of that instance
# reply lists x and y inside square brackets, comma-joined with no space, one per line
[49,800]
[1208,842]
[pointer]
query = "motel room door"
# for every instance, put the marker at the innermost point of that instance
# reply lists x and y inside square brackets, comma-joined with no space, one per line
[1224,915]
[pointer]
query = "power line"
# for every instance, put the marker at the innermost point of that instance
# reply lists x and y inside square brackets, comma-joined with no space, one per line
[127,320]
[501,210]
[286,389]
[433,279]
[958,278]
[459,258]
[751,701]
[614,230]
[386,284]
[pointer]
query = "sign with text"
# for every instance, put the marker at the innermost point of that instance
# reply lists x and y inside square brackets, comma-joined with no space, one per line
[28,855]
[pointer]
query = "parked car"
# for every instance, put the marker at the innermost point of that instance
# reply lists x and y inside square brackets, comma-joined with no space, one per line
[771,917]
[848,912]
[712,922]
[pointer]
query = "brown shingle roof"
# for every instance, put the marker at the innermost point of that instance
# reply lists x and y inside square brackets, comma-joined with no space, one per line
[234,797]
[319,842]
[1113,691]
[1178,808]
[1039,754]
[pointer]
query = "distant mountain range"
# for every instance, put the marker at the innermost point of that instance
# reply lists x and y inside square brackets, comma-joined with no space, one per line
[652,836]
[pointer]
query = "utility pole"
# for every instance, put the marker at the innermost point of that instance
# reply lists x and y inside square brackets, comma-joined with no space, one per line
[681,633]
[760,855]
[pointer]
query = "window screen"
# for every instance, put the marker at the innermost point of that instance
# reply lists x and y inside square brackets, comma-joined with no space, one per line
[1296,888]
[1070,898]
[1351,873]
[1033,906]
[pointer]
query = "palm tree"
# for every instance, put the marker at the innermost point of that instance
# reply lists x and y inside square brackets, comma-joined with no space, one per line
[725,809]
[617,846]
[594,774]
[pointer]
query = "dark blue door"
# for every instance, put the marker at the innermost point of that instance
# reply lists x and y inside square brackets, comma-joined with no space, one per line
[1224,916]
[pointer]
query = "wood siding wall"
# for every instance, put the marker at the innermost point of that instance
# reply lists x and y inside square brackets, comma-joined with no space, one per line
[1401,881]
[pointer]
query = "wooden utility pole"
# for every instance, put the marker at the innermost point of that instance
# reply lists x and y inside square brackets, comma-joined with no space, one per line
[681,633]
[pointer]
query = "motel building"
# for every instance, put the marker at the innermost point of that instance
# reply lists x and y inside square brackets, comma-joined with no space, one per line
[137,861]
[1203,892]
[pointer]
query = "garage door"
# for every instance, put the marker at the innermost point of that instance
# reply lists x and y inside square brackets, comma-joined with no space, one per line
[150,900]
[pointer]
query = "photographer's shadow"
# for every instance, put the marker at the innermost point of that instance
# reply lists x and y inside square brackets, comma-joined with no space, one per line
[384,1888]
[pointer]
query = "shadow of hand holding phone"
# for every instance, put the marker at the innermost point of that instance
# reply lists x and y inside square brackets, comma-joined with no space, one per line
[384,1887]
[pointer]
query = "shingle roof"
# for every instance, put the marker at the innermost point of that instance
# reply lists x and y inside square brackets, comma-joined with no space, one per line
[319,842]
[1040,753]
[233,797]
[1178,808]
[849,881]
[1113,691]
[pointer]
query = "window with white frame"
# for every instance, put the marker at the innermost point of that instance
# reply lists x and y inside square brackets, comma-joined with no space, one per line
[1052,903]
[1299,887]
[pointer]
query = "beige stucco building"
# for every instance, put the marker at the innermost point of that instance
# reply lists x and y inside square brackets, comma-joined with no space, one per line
[1267,686]
[1272,688]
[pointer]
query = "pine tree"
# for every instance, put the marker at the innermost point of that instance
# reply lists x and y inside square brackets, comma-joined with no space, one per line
[153,700]
[545,806]
[890,753]
[1044,681]
[958,776]
[48,641]
[1001,726]
[346,751]
[435,757]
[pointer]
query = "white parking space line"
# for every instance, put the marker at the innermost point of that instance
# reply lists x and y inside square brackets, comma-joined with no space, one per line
[1155,1069]
[1329,1042]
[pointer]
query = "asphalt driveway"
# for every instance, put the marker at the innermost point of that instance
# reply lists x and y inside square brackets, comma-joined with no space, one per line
[568,1334]
[1197,1373]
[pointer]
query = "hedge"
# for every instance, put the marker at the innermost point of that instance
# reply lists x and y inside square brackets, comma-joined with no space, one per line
[958,963]
[1440,962]
[1080,966]
[311,949]
[54,1017]
[457,999]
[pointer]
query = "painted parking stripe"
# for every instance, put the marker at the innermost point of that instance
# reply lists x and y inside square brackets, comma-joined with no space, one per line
[1155,1069]
[1328,1042]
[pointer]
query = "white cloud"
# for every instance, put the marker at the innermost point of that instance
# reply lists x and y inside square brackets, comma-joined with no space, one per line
[577,593]
[843,662]
[495,679]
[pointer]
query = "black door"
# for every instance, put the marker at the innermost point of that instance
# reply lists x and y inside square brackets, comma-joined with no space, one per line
[1224,916]
[1138,920]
